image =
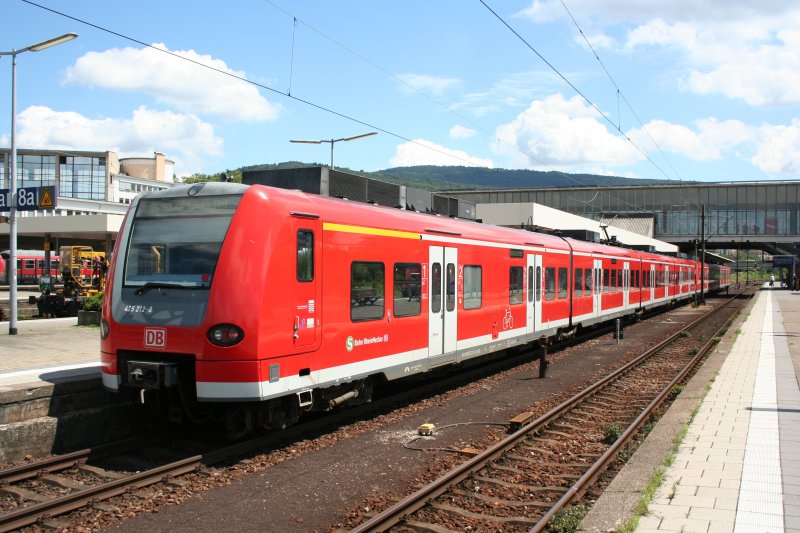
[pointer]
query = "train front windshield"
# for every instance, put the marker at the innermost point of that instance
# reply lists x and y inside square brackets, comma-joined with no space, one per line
[175,242]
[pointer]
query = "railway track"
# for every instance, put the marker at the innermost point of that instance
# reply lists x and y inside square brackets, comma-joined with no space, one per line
[38,492]
[544,465]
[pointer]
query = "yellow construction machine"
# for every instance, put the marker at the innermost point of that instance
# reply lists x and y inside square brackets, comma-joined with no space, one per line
[83,272]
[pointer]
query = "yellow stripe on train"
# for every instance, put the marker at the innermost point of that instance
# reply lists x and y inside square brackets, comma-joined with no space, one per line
[346,228]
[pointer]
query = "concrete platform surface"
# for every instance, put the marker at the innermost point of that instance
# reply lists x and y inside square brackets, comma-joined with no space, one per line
[738,466]
[48,349]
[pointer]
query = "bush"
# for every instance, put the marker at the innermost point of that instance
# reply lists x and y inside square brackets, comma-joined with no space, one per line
[94,302]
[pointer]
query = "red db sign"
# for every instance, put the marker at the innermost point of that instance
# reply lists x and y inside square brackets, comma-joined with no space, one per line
[155,338]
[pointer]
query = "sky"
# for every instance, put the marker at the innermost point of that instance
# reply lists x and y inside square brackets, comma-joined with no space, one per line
[705,90]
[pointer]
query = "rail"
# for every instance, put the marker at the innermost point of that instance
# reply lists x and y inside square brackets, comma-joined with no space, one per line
[422,498]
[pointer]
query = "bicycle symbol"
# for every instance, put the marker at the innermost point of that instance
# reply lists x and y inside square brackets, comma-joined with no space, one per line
[508,320]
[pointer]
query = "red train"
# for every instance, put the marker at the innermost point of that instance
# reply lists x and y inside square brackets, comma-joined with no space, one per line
[252,304]
[30,266]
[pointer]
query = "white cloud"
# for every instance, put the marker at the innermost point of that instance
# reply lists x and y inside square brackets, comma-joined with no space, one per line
[743,50]
[185,138]
[637,11]
[564,135]
[705,143]
[515,90]
[181,84]
[422,152]
[779,149]
[460,132]
[432,85]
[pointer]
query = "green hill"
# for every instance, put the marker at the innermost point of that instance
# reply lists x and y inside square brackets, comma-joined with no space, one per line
[433,178]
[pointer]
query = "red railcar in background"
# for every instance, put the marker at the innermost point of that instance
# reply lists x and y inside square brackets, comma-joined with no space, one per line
[30,267]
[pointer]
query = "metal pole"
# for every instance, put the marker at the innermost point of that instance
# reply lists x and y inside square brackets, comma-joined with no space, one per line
[543,364]
[12,215]
[332,142]
[737,266]
[703,265]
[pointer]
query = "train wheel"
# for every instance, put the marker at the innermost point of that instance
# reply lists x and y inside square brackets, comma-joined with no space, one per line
[239,422]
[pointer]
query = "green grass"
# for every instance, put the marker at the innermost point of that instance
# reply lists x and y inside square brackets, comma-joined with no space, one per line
[657,478]
[568,520]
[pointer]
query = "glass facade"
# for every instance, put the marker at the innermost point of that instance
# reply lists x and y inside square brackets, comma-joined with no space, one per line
[36,170]
[82,177]
[74,176]
[757,209]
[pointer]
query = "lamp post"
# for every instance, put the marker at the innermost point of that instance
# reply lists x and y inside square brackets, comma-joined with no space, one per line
[334,141]
[11,269]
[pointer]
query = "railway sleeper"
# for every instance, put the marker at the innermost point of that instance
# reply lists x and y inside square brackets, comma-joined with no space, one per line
[20,494]
[508,503]
[547,464]
[61,482]
[518,486]
[563,425]
[427,527]
[512,520]
[100,472]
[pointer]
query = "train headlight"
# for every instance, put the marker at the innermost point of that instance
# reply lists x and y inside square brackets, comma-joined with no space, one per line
[104,329]
[225,334]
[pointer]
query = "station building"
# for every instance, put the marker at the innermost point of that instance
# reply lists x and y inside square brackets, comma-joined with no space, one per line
[93,191]
[738,215]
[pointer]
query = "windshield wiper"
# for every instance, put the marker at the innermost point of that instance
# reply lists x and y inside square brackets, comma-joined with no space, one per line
[158,285]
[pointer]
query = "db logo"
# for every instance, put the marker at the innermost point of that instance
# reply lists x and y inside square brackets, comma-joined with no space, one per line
[155,337]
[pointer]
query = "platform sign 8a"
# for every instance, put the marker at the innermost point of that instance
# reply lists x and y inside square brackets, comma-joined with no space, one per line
[29,198]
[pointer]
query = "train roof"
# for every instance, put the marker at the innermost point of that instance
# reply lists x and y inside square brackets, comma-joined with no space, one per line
[37,253]
[376,216]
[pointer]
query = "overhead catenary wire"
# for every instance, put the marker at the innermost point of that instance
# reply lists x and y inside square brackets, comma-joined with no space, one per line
[434,100]
[572,85]
[313,104]
[255,83]
[620,94]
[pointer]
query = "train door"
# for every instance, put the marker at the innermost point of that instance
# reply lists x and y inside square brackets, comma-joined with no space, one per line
[442,319]
[597,289]
[534,322]
[626,284]
[306,286]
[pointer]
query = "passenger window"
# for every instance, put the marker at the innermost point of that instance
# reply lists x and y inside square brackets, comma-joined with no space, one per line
[451,287]
[530,284]
[550,283]
[407,297]
[436,288]
[578,286]
[605,280]
[305,255]
[538,284]
[563,283]
[366,291]
[473,292]
[515,285]
[587,282]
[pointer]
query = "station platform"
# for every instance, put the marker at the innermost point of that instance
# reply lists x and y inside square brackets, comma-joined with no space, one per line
[47,351]
[737,467]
